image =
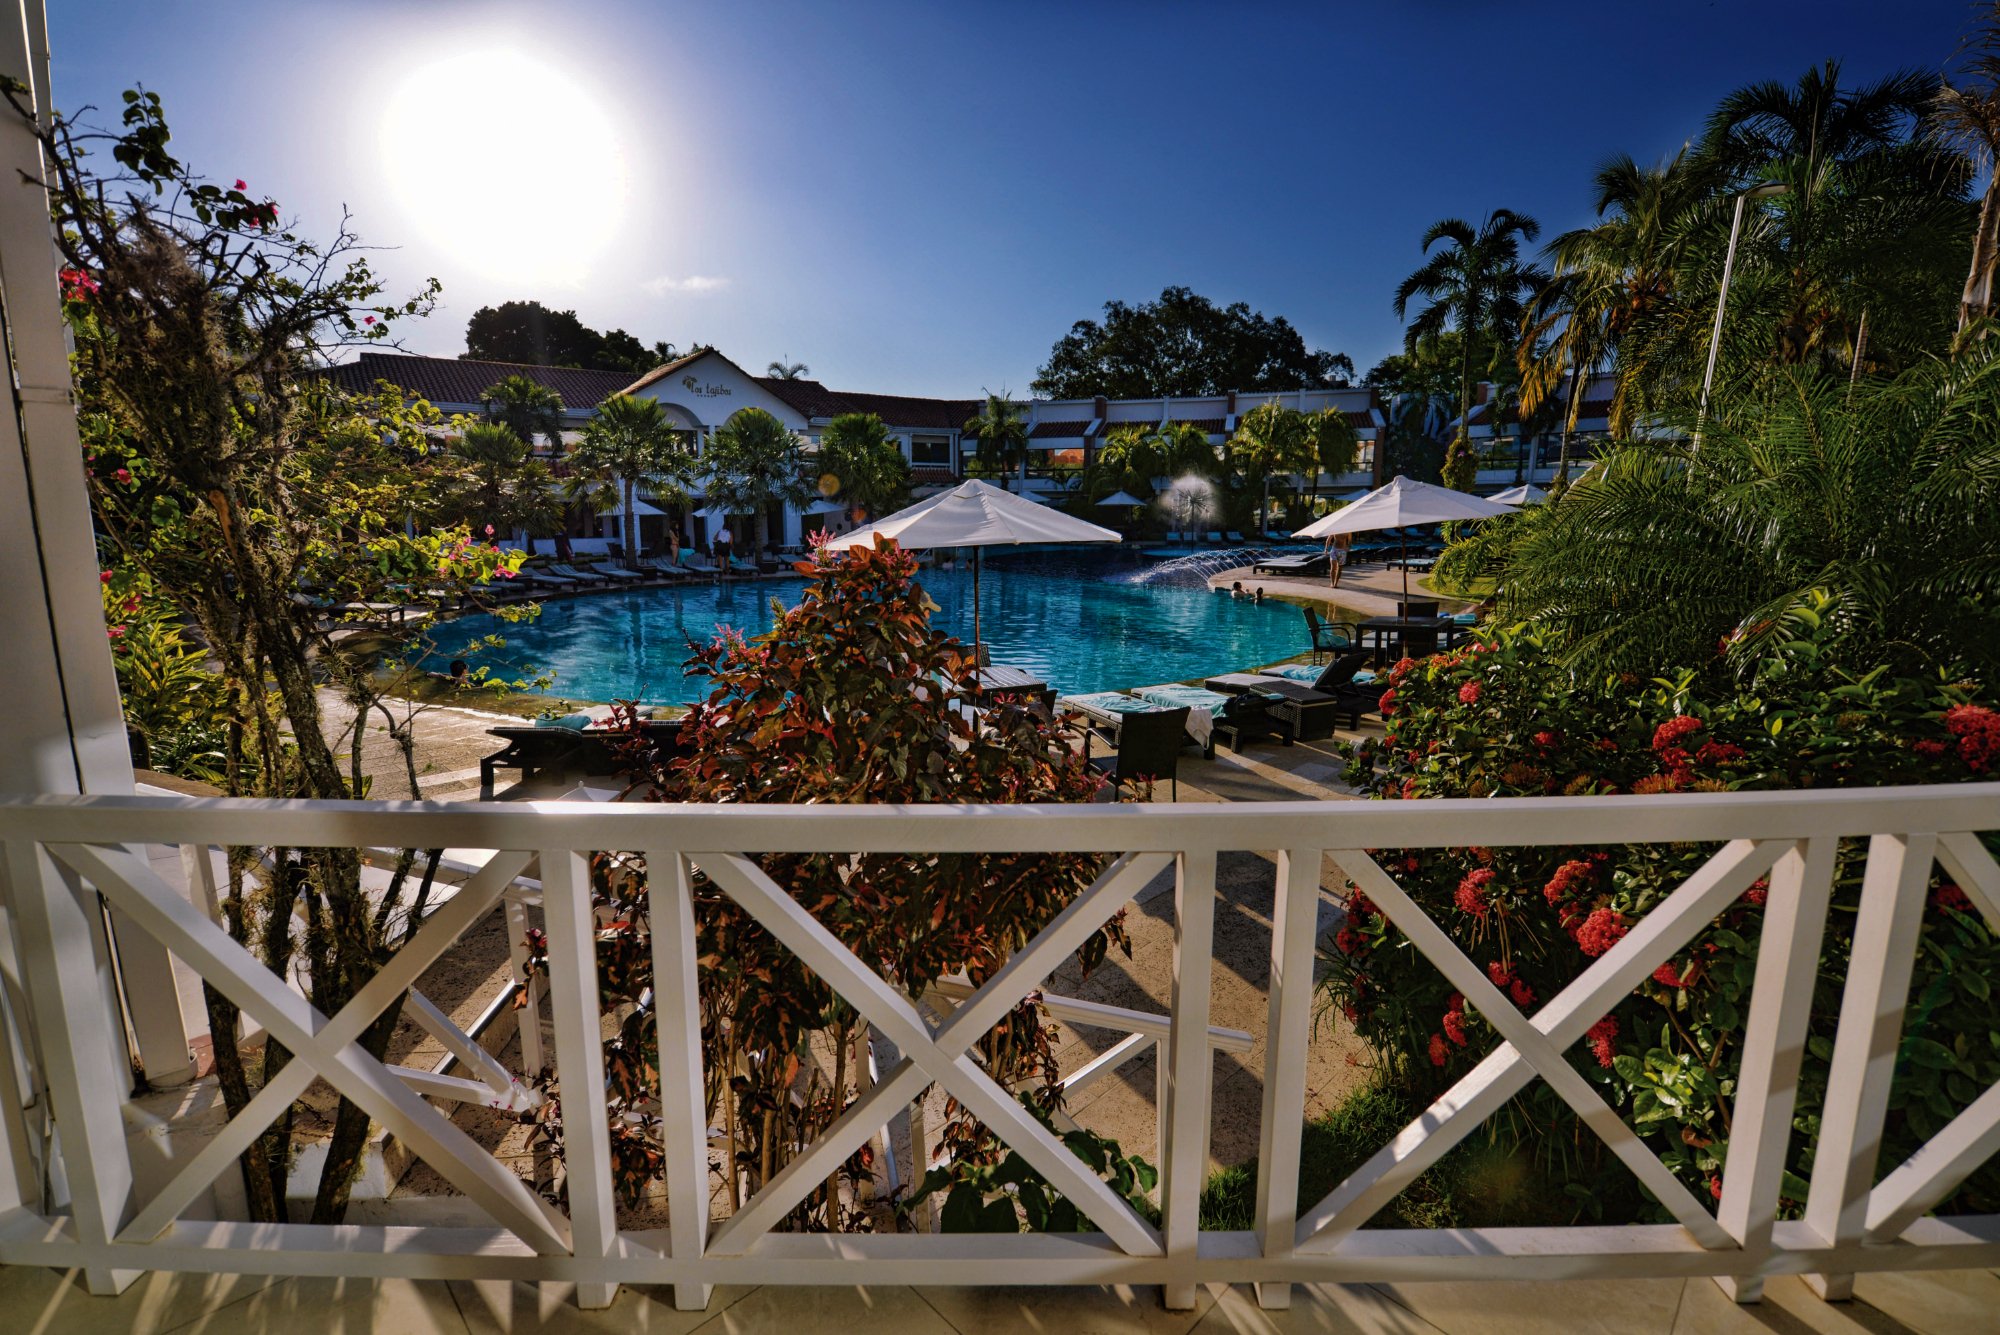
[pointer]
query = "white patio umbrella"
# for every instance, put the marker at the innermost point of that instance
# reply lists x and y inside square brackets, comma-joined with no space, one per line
[1402,503]
[975,514]
[1526,494]
[1119,498]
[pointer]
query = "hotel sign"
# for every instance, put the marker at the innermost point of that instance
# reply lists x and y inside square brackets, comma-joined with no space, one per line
[708,391]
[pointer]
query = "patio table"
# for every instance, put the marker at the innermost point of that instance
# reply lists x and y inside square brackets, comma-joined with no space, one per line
[1381,634]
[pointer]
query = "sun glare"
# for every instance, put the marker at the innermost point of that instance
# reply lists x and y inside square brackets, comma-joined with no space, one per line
[506,165]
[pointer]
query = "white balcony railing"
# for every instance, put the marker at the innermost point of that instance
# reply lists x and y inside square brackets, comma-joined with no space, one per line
[62,852]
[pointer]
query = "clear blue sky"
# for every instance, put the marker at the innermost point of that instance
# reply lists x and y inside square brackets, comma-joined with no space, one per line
[919,197]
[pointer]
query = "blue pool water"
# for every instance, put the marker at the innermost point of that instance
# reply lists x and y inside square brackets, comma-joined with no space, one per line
[1076,616]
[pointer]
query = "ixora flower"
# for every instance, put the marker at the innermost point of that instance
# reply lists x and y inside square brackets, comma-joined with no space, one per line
[1438,1050]
[1603,929]
[1978,731]
[1669,734]
[1469,693]
[1601,1036]
[1472,892]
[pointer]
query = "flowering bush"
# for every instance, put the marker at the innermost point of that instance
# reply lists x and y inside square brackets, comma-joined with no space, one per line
[849,698]
[1502,718]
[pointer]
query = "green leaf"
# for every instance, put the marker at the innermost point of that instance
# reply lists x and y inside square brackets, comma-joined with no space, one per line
[1929,1053]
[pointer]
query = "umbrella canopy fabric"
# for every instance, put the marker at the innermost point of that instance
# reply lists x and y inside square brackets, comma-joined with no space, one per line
[1120,498]
[1403,502]
[1522,495]
[975,514]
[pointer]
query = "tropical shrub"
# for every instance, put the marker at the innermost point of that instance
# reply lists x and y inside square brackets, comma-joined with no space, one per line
[1504,718]
[849,698]
[175,707]
[1871,503]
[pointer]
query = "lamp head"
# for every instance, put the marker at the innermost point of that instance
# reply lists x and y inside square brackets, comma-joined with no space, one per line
[1768,190]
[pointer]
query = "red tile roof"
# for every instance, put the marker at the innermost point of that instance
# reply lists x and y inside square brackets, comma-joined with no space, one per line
[455,380]
[1073,430]
[925,477]
[812,399]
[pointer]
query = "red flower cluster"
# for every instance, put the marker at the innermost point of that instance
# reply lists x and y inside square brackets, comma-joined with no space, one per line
[77,285]
[1601,1036]
[1454,1019]
[1469,693]
[1517,986]
[1718,753]
[1472,892]
[1438,1050]
[1573,877]
[1548,739]
[1603,929]
[1978,731]
[1669,734]
[1759,891]
[1949,896]
[1387,704]
[1669,975]
[1930,748]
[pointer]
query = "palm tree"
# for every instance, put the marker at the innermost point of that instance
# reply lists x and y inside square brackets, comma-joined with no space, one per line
[629,441]
[1478,285]
[527,408]
[1002,433]
[1856,262]
[501,479]
[1606,278]
[1272,440]
[1965,118]
[784,370]
[1810,497]
[754,462]
[1335,444]
[867,468]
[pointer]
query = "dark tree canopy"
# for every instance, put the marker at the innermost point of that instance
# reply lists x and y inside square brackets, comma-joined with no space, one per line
[1184,344]
[527,331]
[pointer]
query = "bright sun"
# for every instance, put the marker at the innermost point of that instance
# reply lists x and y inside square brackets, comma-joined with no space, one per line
[506,165]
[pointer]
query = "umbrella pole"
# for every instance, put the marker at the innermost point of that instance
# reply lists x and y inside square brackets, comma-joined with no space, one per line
[975,617]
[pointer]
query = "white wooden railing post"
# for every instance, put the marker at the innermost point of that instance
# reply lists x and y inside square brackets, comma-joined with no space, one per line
[57,921]
[1864,1049]
[1190,1073]
[683,1102]
[580,1063]
[1774,1041]
[1294,939]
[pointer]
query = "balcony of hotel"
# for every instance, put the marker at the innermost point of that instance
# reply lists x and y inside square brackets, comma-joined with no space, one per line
[542,1143]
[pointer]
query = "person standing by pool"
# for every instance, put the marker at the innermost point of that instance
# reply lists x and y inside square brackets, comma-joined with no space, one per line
[721,546]
[1336,557]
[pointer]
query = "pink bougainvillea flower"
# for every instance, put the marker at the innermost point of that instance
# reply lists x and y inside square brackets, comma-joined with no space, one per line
[504,573]
[368,319]
[241,184]
[116,632]
[489,530]
[104,577]
[123,475]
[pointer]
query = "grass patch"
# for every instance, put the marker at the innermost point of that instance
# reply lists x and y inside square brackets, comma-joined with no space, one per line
[1481,1183]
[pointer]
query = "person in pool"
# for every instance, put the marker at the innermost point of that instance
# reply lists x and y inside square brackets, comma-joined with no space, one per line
[1236,589]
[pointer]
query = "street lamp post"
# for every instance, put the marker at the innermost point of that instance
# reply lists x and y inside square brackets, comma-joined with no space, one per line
[1769,190]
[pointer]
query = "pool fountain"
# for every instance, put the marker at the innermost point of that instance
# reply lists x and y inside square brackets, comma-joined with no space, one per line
[1190,504]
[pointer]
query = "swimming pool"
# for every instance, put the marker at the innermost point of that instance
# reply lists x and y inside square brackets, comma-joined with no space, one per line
[1073,616]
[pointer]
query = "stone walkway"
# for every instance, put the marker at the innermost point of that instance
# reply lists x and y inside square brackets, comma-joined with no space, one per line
[43,1302]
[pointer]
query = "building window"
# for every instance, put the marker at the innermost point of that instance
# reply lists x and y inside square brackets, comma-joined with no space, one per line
[932,450]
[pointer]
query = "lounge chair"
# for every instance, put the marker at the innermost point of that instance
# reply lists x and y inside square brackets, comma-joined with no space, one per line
[573,573]
[1214,535]
[1234,536]
[1149,747]
[660,568]
[1256,714]
[1313,563]
[609,571]
[1350,683]
[1311,715]
[699,564]
[539,575]
[536,750]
